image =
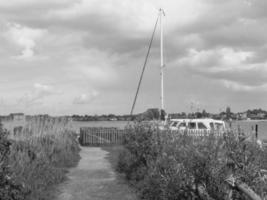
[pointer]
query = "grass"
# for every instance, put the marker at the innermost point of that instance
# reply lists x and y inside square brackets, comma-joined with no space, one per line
[167,165]
[119,188]
[40,154]
[113,154]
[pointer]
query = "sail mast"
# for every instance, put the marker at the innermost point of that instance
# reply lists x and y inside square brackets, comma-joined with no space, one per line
[161,59]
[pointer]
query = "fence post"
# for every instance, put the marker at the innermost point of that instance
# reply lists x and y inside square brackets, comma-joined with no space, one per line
[256,131]
[98,136]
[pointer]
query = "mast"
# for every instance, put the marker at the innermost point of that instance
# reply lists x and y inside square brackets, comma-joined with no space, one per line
[162,14]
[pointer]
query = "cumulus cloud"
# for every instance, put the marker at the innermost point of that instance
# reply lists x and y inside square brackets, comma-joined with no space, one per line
[86,98]
[241,87]
[98,74]
[18,3]
[24,37]
[234,67]
[95,67]
[38,93]
[217,60]
[102,44]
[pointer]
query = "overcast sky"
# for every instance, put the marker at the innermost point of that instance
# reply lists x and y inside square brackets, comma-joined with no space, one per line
[85,56]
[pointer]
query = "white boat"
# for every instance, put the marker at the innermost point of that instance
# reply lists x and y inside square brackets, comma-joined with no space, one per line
[174,124]
[206,124]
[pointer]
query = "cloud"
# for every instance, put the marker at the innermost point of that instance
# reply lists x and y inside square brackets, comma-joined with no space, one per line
[235,86]
[232,66]
[127,31]
[217,60]
[39,92]
[101,45]
[95,67]
[86,98]
[24,37]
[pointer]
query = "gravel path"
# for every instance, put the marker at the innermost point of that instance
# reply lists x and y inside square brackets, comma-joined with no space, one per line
[94,179]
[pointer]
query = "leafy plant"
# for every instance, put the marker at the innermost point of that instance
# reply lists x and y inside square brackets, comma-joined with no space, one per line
[166,165]
[9,188]
[40,154]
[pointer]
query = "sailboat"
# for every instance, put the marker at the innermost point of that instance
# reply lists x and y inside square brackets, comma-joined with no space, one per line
[174,124]
[162,65]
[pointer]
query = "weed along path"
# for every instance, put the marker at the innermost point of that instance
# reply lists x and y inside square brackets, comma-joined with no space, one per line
[94,179]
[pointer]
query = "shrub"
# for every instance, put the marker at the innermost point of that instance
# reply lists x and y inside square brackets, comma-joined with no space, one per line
[9,188]
[166,165]
[139,151]
[40,154]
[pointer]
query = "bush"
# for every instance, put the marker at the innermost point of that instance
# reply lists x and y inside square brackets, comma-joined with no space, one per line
[9,188]
[166,165]
[40,154]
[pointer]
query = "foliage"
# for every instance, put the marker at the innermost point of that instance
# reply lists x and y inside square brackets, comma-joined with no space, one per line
[152,114]
[9,188]
[167,165]
[40,154]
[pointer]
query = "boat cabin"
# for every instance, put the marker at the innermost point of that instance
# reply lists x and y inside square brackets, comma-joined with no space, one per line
[197,124]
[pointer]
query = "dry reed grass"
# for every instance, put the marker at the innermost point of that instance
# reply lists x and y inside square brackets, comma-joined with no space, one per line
[41,152]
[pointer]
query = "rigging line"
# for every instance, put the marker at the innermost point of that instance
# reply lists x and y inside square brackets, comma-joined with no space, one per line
[144,66]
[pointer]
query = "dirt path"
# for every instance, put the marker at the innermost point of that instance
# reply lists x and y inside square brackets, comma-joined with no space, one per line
[94,179]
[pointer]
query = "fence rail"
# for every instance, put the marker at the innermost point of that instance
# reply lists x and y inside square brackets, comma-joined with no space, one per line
[199,133]
[100,136]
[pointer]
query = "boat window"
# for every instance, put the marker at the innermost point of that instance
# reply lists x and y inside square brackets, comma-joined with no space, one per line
[182,125]
[211,126]
[192,125]
[174,124]
[219,126]
[201,125]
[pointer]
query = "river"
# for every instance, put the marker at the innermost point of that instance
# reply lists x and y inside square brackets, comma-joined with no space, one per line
[245,125]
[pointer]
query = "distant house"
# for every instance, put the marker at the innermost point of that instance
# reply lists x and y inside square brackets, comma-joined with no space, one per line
[17,116]
[244,115]
[5,118]
[113,119]
[253,116]
[261,115]
[45,116]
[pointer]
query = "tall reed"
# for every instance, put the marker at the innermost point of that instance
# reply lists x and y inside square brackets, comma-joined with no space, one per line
[40,153]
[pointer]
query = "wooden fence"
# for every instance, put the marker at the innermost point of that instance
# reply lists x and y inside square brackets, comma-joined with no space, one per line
[100,136]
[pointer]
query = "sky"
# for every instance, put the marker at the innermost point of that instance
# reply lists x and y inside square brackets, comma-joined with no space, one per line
[64,57]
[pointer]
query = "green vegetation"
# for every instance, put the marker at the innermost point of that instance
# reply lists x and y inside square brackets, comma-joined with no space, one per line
[166,165]
[149,114]
[256,114]
[9,187]
[37,157]
[110,117]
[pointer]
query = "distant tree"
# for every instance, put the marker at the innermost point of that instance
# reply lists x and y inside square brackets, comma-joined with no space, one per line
[153,114]
[204,113]
[228,112]
[198,115]
[111,115]
[162,114]
[191,115]
[183,115]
